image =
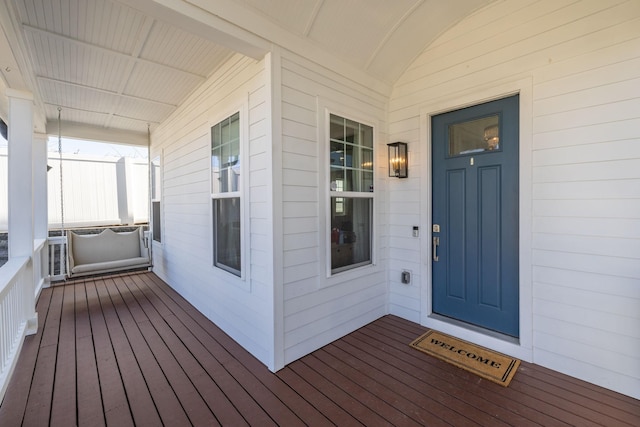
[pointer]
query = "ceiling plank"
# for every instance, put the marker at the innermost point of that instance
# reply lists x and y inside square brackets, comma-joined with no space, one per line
[145,30]
[391,31]
[106,50]
[22,77]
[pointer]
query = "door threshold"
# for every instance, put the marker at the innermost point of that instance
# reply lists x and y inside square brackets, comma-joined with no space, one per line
[474,328]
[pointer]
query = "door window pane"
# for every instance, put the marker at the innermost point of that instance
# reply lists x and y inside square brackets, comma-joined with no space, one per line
[475,136]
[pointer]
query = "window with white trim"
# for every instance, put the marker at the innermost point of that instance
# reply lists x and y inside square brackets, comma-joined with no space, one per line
[351,193]
[225,194]
[156,193]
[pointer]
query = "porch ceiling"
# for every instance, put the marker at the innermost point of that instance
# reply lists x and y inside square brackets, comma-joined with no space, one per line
[114,66]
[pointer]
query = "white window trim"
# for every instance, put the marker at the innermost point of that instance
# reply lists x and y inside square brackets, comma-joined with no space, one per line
[241,281]
[326,110]
[158,198]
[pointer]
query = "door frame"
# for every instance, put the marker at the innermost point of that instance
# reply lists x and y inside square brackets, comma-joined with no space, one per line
[523,346]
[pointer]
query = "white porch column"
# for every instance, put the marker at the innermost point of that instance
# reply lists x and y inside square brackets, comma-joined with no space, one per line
[124,178]
[40,193]
[20,179]
[40,212]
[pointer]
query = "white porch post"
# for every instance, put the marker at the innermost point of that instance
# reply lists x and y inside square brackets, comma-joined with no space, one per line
[124,178]
[21,196]
[40,211]
[40,193]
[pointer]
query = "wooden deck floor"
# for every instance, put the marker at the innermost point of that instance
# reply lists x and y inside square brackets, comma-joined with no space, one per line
[127,350]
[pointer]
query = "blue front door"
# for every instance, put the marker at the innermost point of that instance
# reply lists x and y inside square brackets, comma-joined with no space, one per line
[475,215]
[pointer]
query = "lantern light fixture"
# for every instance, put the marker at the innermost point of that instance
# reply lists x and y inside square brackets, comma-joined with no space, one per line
[398,160]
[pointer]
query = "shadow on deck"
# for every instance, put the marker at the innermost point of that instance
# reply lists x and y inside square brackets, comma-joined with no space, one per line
[127,350]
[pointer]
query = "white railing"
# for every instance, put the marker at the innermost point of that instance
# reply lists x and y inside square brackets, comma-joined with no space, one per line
[57,265]
[16,311]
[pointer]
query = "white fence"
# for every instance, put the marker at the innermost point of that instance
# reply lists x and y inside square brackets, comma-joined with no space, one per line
[97,190]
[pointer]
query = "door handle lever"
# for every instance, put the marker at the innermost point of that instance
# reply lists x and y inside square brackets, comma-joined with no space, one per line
[434,248]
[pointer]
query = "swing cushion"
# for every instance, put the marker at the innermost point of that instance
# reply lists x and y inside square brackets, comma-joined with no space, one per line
[106,252]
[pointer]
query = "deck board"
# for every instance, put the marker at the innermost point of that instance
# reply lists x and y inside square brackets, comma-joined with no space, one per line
[114,399]
[41,390]
[63,408]
[139,400]
[394,340]
[166,401]
[127,350]
[14,404]
[213,357]
[399,378]
[89,399]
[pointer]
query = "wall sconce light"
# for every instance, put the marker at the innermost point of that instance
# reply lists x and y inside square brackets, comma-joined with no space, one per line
[398,160]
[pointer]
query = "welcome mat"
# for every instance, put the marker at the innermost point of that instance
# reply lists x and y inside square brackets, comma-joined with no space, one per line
[481,361]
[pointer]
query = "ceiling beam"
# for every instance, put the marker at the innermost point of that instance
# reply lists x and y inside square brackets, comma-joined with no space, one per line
[106,114]
[312,17]
[106,92]
[191,18]
[87,132]
[243,17]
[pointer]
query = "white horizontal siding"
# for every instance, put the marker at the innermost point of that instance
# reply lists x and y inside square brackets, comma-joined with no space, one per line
[404,206]
[318,309]
[584,62]
[241,307]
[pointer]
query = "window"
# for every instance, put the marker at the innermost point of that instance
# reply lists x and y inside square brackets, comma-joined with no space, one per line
[156,223]
[4,190]
[475,136]
[225,194]
[351,193]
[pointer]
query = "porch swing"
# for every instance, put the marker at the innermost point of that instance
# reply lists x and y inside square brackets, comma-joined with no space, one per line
[106,252]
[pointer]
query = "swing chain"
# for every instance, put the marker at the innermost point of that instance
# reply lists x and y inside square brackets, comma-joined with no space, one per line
[62,230]
[61,186]
[150,189]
